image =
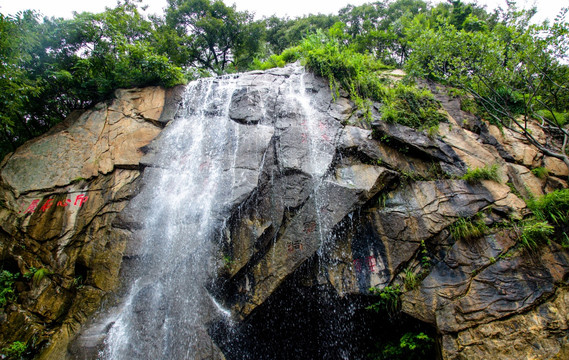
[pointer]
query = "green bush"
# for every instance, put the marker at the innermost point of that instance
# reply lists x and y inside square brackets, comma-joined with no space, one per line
[535,232]
[550,221]
[411,106]
[554,116]
[553,207]
[467,229]
[389,299]
[7,287]
[411,346]
[361,76]
[15,351]
[486,173]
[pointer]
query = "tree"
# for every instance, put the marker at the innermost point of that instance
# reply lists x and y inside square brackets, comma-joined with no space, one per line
[215,34]
[515,72]
[17,85]
[50,67]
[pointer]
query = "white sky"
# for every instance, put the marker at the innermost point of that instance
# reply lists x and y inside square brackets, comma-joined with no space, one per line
[64,8]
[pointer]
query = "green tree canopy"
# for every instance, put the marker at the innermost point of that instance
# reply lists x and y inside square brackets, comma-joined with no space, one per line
[515,71]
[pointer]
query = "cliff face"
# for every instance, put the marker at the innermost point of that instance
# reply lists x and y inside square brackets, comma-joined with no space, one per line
[60,196]
[324,206]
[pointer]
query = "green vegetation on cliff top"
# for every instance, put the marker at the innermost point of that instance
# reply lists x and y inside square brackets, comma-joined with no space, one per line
[507,68]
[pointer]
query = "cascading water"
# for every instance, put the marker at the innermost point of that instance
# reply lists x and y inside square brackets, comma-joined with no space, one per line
[197,174]
[165,311]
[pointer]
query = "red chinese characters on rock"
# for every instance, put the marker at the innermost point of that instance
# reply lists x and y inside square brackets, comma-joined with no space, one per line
[64,203]
[47,205]
[309,227]
[370,263]
[33,207]
[295,245]
[81,198]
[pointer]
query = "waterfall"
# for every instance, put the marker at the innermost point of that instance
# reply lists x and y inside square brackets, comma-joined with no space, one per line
[181,204]
[204,164]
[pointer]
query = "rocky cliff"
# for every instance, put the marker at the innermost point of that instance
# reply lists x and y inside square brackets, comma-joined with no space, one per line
[325,205]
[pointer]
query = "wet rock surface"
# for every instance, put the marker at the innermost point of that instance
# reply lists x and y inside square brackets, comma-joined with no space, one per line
[61,194]
[318,203]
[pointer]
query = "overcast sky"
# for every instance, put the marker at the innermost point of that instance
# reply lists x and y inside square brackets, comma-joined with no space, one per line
[64,8]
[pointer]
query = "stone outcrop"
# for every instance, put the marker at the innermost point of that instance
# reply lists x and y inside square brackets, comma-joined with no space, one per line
[319,201]
[61,194]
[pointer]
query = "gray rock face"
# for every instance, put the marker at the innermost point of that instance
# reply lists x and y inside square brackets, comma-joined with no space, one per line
[306,197]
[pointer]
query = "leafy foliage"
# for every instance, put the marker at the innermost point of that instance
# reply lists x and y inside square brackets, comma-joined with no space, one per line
[468,229]
[389,299]
[514,71]
[411,346]
[413,107]
[534,233]
[7,287]
[215,35]
[15,351]
[411,280]
[540,172]
[362,77]
[552,208]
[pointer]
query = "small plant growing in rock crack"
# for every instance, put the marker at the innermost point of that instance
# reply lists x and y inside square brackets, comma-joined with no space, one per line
[467,229]
[550,221]
[227,261]
[411,346]
[474,176]
[39,275]
[30,273]
[433,131]
[382,199]
[15,351]
[535,232]
[425,258]
[540,172]
[552,207]
[78,282]
[411,280]
[389,299]
[7,287]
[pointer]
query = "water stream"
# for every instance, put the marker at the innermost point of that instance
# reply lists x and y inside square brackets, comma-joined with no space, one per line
[194,179]
[167,306]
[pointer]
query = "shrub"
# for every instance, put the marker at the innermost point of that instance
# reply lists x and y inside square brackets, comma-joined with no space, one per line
[15,351]
[7,287]
[411,346]
[554,116]
[479,174]
[535,232]
[550,221]
[388,299]
[361,76]
[553,207]
[411,106]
